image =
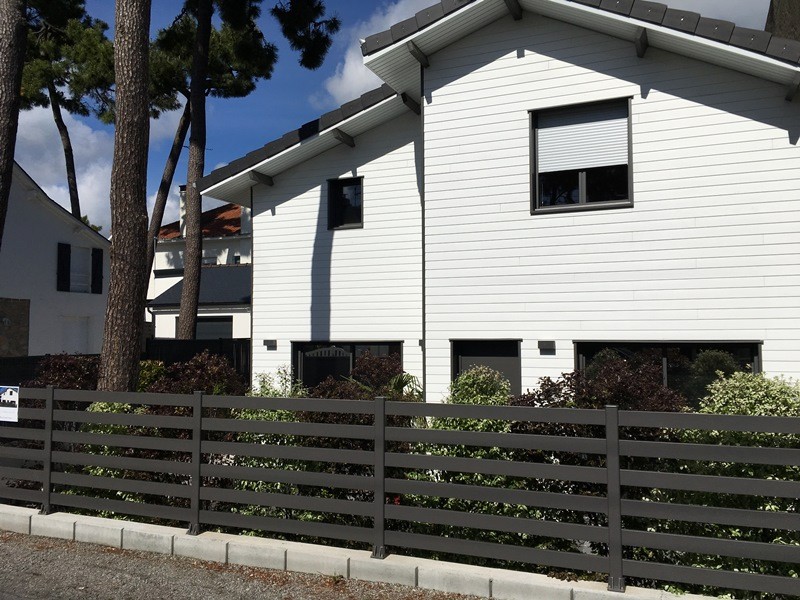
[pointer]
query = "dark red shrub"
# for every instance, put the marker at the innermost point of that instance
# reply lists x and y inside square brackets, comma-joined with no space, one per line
[209,373]
[66,372]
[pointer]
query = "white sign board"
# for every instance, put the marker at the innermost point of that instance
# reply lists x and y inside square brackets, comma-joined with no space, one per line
[9,403]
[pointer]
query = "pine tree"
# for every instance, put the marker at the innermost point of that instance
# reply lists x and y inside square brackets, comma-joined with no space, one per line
[783,19]
[12,56]
[119,360]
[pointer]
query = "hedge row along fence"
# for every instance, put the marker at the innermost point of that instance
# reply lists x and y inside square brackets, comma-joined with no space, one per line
[382,477]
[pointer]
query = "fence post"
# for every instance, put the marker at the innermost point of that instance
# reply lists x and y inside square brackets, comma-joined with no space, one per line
[616,580]
[379,545]
[47,451]
[197,440]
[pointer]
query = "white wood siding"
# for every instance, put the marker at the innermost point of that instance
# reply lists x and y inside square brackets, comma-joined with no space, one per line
[710,250]
[312,284]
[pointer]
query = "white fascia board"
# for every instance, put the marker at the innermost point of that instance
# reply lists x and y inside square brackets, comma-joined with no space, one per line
[322,135]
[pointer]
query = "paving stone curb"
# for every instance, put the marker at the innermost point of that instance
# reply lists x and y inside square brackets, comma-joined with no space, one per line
[308,558]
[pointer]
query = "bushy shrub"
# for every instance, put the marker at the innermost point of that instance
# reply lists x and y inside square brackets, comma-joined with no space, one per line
[371,376]
[150,371]
[66,372]
[205,372]
[739,394]
[703,371]
[281,384]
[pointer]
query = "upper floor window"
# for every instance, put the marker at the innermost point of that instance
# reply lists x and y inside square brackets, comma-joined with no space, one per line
[79,269]
[344,203]
[582,157]
[209,260]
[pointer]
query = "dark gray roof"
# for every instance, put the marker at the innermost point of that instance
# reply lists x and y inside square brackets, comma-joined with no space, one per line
[220,285]
[693,23]
[306,131]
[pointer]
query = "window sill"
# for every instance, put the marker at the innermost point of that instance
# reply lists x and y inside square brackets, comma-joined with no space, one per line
[581,207]
[341,227]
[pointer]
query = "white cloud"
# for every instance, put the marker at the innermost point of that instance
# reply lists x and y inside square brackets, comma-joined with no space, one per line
[352,78]
[172,209]
[40,153]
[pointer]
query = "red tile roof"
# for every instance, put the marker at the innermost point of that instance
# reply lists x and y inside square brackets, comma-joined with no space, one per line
[223,221]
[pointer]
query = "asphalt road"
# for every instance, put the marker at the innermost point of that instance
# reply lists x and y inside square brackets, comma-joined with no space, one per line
[45,568]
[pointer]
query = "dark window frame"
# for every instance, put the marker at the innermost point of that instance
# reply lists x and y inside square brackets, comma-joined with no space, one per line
[536,209]
[335,210]
[298,348]
[227,319]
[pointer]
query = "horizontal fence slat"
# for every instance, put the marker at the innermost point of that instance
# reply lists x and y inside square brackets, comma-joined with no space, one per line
[359,432]
[123,463]
[327,455]
[32,393]
[553,558]
[21,494]
[500,413]
[20,473]
[713,546]
[123,441]
[497,440]
[36,454]
[31,414]
[292,501]
[523,525]
[125,507]
[115,484]
[324,405]
[712,514]
[496,467]
[671,420]
[346,482]
[139,398]
[21,433]
[324,530]
[503,495]
[770,584]
[711,452]
[711,484]
[126,420]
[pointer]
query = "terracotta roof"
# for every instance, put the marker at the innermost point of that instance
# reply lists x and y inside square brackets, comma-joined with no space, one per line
[755,40]
[223,221]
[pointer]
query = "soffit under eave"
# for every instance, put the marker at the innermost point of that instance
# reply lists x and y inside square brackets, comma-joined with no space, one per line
[398,68]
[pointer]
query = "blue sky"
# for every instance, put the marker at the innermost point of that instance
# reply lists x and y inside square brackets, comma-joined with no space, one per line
[292,97]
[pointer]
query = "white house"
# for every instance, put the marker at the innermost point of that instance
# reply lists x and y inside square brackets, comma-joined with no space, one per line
[54,273]
[225,283]
[537,179]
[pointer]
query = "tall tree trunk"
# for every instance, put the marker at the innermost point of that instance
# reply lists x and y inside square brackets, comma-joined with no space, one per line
[119,361]
[164,186]
[69,156]
[784,19]
[190,295]
[12,57]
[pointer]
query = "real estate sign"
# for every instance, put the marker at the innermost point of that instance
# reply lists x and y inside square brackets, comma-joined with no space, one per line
[9,403]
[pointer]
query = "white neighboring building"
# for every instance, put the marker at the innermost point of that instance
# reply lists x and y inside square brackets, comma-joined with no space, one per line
[225,284]
[53,277]
[530,186]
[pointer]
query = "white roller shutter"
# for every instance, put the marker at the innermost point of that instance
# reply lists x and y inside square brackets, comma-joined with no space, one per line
[583,137]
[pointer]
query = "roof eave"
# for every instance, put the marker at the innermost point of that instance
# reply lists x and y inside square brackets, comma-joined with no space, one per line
[398,67]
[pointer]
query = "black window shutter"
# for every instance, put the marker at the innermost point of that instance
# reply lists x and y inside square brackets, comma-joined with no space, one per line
[62,273]
[97,270]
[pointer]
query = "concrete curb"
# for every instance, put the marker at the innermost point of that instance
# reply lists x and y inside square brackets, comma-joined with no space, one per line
[308,558]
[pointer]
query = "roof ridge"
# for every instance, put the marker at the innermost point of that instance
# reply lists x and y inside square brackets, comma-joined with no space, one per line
[718,30]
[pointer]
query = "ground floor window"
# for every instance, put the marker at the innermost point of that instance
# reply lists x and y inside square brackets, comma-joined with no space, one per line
[212,328]
[314,362]
[501,355]
[686,367]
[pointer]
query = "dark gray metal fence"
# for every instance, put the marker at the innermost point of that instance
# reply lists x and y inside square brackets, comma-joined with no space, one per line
[200,460]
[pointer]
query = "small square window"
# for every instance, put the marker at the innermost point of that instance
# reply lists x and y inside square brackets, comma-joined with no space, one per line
[344,203]
[209,260]
[582,157]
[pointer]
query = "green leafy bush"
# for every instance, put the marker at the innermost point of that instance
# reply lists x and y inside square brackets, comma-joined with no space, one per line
[150,371]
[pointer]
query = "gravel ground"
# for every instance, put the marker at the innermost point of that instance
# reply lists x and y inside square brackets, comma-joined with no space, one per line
[37,567]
